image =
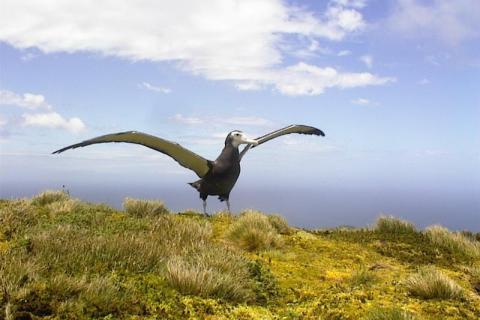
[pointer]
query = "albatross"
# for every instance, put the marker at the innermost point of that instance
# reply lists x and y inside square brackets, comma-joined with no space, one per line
[218,177]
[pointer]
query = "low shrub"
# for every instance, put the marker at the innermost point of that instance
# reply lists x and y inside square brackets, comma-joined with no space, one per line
[430,283]
[453,242]
[49,196]
[392,225]
[253,231]
[391,313]
[144,208]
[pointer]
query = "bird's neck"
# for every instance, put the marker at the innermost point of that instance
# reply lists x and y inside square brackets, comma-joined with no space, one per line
[229,152]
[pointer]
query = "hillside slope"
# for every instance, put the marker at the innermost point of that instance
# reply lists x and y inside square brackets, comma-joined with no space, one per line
[61,258]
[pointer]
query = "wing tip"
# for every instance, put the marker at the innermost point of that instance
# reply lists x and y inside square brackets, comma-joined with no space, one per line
[319,132]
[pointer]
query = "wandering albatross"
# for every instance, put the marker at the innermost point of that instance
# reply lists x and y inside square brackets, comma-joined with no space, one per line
[218,177]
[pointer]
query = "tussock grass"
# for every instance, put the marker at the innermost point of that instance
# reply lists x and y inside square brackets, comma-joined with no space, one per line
[63,206]
[15,217]
[392,225]
[211,272]
[144,208]
[362,277]
[92,297]
[279,223]
[391,313]
[430,283]
[16,273]
[253,231]
[73,250]
[453,242]
[49,196]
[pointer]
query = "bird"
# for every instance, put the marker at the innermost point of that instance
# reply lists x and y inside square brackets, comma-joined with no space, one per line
[218,177]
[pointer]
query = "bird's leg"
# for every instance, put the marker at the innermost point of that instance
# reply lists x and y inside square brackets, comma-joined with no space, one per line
[245,150]
[205,208]
[228,206]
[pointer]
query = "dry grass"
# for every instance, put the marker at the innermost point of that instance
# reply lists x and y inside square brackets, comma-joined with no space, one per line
[211,272]
[253,231]
[63,206]
[430,283]
[15,218]
[49,196]
[453,242]
[279,223]
[144,208]
[392,225]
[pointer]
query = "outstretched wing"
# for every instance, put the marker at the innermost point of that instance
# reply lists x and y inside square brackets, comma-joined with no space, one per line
[184,157]
[294,128]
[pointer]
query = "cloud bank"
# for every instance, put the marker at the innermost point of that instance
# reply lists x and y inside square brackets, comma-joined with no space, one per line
[227,40]
[41,113]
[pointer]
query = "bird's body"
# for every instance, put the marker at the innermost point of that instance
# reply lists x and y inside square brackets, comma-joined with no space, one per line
[217,178]
[219,181]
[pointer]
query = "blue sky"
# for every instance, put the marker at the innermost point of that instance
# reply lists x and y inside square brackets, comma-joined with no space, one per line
[393,84]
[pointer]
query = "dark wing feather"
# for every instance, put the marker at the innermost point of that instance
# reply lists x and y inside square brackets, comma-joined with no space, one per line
[294,128]
[184,157]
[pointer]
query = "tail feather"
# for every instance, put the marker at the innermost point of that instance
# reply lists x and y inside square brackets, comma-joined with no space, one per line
[196,185]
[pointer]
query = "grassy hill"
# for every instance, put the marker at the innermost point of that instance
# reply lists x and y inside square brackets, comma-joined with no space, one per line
[61,258]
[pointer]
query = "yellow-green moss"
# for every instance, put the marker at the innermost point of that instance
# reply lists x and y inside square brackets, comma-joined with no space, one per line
[63,258]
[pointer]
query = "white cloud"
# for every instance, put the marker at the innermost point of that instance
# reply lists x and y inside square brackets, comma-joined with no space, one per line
[151,87]
[27,100]
[351,3]
[3,121]
[237,41]
[248,86]
[344,53]
[450,22]
[423,82]
[186,120]
[44,115]
[53,120]
[305,79]
[361,101]
[368,60]
[221,121]
[364,102]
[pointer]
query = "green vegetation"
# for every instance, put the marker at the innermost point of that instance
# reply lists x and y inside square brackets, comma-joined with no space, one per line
[142,208]
[392,313]
[392,225]
[61,258]
[430,283]
[363,277]
[453,241]
[254,231]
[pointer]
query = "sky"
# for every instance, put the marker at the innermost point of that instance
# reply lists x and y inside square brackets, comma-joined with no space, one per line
[393,84]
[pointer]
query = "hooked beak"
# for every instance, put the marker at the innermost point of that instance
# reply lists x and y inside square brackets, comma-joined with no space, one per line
[249,141]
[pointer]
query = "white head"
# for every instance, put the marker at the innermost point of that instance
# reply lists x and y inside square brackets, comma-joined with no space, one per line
[236,138]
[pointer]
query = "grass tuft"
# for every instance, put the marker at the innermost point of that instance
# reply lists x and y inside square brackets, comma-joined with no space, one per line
[144,208]
[253,231]
[362,277]
[392,225]
[279,223]
[49,196]
[430,283]
[211,272]
[391,313]
[453,242]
